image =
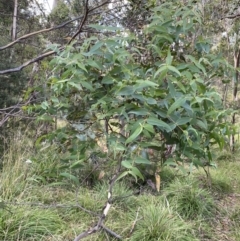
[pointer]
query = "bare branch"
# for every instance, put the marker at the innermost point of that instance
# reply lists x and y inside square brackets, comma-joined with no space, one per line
[19,68]
[82,23]
[231,16]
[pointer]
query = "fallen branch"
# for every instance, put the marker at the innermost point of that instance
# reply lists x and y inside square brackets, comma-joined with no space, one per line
[134,222]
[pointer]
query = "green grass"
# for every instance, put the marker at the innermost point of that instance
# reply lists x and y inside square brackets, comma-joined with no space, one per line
[190,200]
[41,205]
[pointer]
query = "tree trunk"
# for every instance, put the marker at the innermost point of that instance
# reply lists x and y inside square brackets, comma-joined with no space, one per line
[14,28]
[235,91]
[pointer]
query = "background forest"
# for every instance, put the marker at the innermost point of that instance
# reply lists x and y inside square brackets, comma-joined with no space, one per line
[119,120]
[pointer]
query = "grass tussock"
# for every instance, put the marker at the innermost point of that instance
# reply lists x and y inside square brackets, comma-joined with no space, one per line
[160,222]
[189,199]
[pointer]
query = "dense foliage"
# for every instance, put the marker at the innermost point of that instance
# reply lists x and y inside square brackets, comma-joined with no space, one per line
[141,92]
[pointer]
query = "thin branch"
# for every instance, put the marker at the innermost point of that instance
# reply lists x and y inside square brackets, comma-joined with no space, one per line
[43,31]
[134,222]
[231,16]
[111,232]
[81,24]
[31,61]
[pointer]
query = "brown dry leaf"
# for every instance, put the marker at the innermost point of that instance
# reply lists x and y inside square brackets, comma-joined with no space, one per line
[101,175]
[158,181]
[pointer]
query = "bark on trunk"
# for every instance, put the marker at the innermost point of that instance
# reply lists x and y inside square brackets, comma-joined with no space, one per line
[14,29]
[235,92]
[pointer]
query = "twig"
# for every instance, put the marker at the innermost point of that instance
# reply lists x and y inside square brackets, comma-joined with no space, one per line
[82,22]
[134,222]
[111,232]
[231,16]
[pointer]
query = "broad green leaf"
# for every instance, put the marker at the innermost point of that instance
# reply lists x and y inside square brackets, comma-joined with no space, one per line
[69,176]
[183,120]
[172,90]
[122,175]
[86,85]
[133,174]
[178,103]
[137,172]
[76,85]
[140,160]
[139,111]
[173,69]
[149,127]
[163,68]
[95,47]
[151,101]
[107,80]
[169,58]
[135,134]
[127,90]
[127,164]
[77,164]
[141,84]
[81,66]
[119,147]
[95,64]
[156,122]
[201,124]
[170,162]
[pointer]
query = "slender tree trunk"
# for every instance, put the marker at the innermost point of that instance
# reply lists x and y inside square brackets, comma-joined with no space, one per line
[235,91]
[14,28]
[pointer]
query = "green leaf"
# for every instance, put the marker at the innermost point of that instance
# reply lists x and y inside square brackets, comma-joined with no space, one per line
[136,172]
[156,122]
[201,124]
[170,162]
[127,164]
[69,176]
[127,90]
[140,160]
[178,103]
[149,127]
[169,58]
[139,111]
[133,174]
[122,175]
[173,69]
[171,88]
[164,69]
[135,134]
[183,120]
[95,47]
[76,85]
[107,80]
[95,64]
[86,85]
